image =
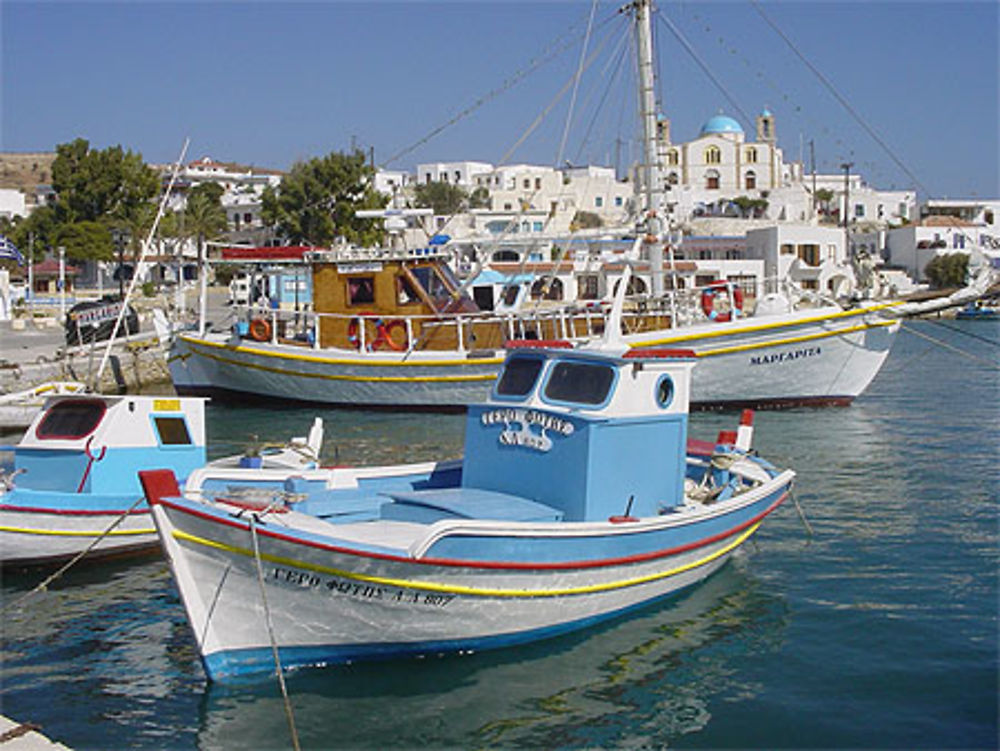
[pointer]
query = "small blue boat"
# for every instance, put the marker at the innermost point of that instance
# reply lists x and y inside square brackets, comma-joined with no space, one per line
[74,486]
[978,310]
[577,501]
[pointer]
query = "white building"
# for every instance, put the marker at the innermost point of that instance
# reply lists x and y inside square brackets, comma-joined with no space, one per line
[812,257]
[12,203]
[914,246]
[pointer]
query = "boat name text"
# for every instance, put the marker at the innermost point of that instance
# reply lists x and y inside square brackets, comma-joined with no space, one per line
[359,589]
[527,420]
[796,354]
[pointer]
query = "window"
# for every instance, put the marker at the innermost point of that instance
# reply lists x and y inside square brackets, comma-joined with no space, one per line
[618,201]
[538,183]
[519,376]
[537,226]
[405,294]
[579,382]
[672,158]
[958,240]
[672,178]
[751,180]
[713,155]
[809,254]
[859,210]
[712,179]
[598,201]
[172,431]
[360,290]
[587,287]
[248,217]
[70,419]
[547,289]
[458,176]
[751,155]
[664,391]
[787,249]
[527,183]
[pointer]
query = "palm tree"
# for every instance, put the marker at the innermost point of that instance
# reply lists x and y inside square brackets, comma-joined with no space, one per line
[205,219]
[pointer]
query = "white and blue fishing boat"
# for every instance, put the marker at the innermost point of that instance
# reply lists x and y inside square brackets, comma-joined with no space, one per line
[74,487]
[577,500]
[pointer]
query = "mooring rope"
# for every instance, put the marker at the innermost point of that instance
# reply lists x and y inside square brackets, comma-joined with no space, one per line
[72,562]
[270,633]
[957,350]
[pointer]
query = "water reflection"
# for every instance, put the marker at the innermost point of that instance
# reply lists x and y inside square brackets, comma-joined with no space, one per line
[649,677]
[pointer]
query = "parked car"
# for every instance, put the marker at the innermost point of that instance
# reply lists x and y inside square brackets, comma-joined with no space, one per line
[94,321]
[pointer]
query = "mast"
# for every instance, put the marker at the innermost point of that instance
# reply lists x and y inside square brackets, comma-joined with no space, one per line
[651,178]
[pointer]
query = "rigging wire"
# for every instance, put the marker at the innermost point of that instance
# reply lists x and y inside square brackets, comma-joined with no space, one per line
[618,57]
[679,36]
[946,345]
[576,83]
[839,97]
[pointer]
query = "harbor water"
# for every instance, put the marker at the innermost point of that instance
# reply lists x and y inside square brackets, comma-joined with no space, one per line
[879,630]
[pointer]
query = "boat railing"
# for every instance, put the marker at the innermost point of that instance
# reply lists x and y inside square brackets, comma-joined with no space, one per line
[368,329]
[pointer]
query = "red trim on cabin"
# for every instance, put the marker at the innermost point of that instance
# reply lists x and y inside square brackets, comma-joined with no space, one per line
[279,253]
[572,566]
[650,354]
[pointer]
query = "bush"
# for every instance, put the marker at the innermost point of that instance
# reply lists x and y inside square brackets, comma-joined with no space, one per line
[148,289]
[948,270]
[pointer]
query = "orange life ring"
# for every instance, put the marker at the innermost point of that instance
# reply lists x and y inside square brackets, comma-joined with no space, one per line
[708,302]
[385,335]
[260,330]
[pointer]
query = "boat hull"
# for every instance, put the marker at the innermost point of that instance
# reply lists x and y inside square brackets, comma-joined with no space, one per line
[330,601]
[37,535]
[805,359]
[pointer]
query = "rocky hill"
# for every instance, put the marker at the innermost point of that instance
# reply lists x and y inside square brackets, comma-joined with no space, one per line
[26,170]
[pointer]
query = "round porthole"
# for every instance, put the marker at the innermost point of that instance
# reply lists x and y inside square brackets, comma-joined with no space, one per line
[665,391]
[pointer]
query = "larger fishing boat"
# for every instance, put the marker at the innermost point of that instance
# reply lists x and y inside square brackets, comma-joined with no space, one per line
[396,329]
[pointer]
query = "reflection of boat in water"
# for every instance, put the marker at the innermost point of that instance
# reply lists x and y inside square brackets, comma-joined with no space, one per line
[578,499]
[662,668]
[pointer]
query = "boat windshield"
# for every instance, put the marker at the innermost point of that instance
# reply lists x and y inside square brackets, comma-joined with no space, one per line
[519,376]
[70,419]
[579,382]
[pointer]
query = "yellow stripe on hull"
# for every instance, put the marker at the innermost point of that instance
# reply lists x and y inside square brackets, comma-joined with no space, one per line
[76,533]
[473,591]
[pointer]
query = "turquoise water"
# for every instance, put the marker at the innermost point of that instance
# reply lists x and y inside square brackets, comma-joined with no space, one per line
[880,631]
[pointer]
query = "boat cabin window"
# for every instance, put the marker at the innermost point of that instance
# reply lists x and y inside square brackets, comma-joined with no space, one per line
[665,391]
[519,376]
[172,431]
[579,382]
[434,285]
[405,293]
[71,419]
[360,290]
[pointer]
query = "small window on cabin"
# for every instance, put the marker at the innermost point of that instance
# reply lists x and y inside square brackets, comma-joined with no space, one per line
[405,293]
[665,391]
[172,431]
[519,376]
[579,383]
[361,290]
[71,419]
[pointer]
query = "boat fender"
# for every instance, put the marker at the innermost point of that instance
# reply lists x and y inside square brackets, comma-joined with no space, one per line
[260,330]
[708,296]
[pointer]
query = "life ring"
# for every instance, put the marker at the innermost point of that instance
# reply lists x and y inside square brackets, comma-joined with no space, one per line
[260,330]
[708,302]
[384,337]
[354,331]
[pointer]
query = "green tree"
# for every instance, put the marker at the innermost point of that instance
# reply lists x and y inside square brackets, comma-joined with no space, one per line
[86,240]
[479,199]
[112,186]
[948,270]
[441,197]
[750,207]
[318,199]
[585,220]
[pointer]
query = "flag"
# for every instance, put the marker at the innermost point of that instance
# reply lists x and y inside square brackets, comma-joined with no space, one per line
[9,252]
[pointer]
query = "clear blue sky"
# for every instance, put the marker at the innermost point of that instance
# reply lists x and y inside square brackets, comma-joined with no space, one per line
[268,83]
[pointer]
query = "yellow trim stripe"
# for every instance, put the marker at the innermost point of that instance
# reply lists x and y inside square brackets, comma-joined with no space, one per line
[365,378]
[70,533]
[339,361]
[474,591]
[791,340]
[724,331]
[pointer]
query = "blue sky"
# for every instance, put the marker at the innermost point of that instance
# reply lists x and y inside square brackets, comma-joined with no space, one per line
[269,83]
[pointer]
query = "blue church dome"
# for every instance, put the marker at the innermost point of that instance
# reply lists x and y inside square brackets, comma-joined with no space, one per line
[720,124]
